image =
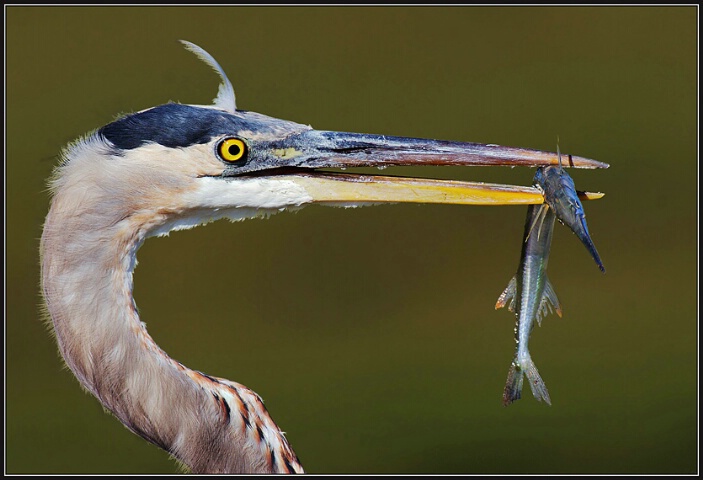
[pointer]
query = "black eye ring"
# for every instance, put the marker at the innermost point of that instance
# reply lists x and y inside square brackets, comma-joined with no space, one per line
[232,149]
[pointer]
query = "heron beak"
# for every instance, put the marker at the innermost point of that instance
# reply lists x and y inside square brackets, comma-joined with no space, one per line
[302,154]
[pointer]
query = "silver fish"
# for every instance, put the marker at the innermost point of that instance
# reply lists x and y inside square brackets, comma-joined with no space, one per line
[531,296]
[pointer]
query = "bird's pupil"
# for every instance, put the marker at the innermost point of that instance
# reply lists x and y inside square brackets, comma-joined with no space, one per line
[234,150]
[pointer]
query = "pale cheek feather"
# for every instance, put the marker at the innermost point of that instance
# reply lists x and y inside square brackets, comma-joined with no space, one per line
[218,193]
[213,199]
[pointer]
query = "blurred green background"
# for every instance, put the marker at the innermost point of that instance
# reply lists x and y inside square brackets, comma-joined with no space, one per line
[370,333]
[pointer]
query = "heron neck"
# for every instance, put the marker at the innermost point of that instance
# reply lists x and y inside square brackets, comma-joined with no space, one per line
[210,424]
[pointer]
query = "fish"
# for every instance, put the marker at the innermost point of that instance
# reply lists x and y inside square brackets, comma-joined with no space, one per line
[531,297]
[562,197]
[529,294]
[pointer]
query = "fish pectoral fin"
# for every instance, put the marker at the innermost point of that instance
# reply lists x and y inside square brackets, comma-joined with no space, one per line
[549,302]
[508,295]
[551,297]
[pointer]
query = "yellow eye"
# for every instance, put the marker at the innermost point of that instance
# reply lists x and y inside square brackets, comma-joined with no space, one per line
[232,149]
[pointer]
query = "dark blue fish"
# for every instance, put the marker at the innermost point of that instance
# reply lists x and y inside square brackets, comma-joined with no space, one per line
[531,296]
[561,195]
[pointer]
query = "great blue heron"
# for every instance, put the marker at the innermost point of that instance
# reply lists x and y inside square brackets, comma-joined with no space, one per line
[176,166]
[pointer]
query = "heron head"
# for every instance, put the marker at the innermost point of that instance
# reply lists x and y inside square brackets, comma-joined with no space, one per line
[176,166]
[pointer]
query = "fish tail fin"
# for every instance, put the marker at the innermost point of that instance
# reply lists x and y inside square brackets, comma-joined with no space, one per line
[549,302]
[539,389]
[513,386]
[508,295]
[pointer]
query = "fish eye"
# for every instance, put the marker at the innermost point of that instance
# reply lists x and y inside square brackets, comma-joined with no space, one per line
[232,149]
